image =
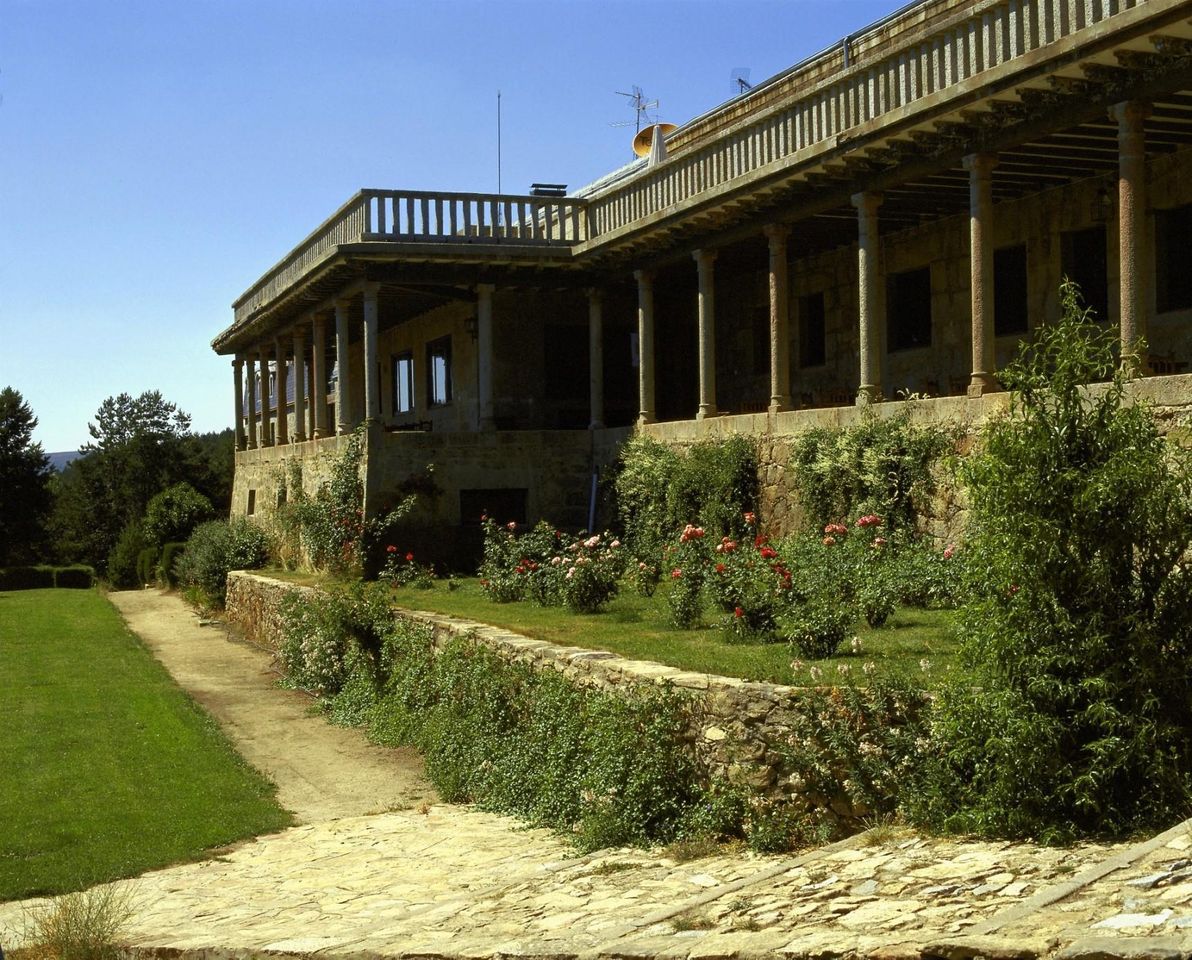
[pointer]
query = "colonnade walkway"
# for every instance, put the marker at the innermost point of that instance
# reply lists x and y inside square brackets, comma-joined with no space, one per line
[379,868]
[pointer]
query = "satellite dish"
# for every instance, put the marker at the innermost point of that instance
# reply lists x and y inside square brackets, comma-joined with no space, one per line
[645,138]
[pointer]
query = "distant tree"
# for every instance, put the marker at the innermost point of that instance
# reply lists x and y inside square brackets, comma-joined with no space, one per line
[139,447]
[24,482]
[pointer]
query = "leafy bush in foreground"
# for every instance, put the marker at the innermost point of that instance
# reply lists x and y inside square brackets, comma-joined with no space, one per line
[1078,717]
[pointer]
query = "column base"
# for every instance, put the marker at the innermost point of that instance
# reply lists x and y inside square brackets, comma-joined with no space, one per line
[645,418]
[780,404]
[595,425]
[868,393]
[706,410]
[981,384]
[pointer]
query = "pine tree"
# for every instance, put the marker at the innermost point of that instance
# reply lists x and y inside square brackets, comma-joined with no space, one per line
[24,483]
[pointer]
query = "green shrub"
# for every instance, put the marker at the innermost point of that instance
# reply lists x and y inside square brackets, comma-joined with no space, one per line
[123,560]
[660,490]
[147,565]
[172,514]
[217,547]
[1078,717]
[26,578]
[881,466]
[77,577]
[167,576]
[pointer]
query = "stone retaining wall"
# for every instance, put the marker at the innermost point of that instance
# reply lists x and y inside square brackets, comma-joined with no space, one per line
[738,725]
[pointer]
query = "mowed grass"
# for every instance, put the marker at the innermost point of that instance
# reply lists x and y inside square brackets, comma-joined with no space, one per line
[916,644]
[109,768]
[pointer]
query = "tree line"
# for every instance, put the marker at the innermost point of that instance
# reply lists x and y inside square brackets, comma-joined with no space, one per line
[142,464]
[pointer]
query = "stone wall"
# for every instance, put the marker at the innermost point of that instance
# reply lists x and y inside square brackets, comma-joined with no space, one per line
[944,516]
[738,726]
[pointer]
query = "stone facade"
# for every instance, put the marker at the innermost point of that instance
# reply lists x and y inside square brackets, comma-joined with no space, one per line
[738,726]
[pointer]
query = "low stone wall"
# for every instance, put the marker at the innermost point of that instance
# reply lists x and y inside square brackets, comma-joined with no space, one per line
[738,725]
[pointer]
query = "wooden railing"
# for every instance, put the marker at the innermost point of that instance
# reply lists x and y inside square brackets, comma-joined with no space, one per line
[424,217]
[859,81]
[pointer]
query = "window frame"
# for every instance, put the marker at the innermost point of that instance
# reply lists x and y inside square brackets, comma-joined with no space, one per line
[438,349]
[403,359]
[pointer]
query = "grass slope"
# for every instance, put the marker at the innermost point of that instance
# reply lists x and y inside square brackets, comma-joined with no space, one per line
[640,628]
[109,768]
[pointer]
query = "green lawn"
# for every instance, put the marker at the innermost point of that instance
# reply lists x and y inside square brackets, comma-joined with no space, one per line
[109,768]
[639,628]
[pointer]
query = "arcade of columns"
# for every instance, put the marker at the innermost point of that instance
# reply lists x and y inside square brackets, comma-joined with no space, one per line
[259,428]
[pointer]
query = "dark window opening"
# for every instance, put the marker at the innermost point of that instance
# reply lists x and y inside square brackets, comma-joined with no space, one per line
[438,372]
[1009,291]
[566,349]
[812,343]
[403,383]
[252,503]
[1082,260]
[501,505]
[1173,240]
[908,306]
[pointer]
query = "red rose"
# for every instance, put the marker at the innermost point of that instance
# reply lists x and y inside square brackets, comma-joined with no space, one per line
[391,549]
[410,557]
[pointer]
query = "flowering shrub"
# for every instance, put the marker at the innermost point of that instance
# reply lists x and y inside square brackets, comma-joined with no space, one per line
[401,569]
[688,561]
[750,582]
[543,566]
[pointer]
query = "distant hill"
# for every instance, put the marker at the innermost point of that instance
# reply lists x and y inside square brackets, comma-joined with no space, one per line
[59,460]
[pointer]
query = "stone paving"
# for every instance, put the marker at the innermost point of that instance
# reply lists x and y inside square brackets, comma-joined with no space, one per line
[455,882]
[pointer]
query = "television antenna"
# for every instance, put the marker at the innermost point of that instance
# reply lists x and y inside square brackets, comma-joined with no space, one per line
[642,107]
[740,81]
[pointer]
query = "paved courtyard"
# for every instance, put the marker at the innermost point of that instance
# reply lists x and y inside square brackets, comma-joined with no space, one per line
[424,879]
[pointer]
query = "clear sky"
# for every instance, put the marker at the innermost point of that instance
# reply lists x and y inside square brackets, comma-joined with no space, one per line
[157,157]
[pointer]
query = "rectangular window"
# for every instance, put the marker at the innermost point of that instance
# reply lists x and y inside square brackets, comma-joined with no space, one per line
[403,383]
[908,306]
[438,371]
[1173,240]
[812,346]
[1009,291]
[252,503]
[1082,260]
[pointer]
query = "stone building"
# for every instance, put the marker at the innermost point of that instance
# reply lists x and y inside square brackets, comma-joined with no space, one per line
[893,214]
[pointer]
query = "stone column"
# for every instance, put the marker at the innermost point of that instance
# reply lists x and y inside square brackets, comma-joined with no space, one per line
[299,385]
[238,388]
[372,386]
[780,329]
[645,345]
[484,349]
[251,426]
[980,167]
[283,417]
[343,416]
[318,366]
[266,430]
[707,334]
[1131,226]
[596,357]
[871,303]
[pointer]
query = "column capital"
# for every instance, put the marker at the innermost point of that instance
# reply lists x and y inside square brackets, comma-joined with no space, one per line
[867,201]
[704,257]
[238,362]
[371,289]
[643,277]
[777,233]
[1130,111]
[594,293]
[342,305]
[486,289]
[980,164]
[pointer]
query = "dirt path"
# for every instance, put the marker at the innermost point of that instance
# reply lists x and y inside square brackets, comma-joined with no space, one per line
[322,772]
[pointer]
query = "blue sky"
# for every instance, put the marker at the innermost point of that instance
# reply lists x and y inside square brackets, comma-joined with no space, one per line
[157,157]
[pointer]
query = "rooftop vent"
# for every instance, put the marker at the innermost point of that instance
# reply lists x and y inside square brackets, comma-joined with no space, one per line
[548,189]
